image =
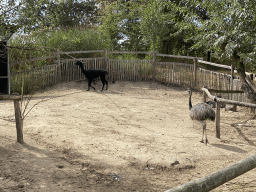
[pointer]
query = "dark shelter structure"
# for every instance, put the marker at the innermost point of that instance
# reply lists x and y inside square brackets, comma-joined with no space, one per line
[4,69]
[5,34]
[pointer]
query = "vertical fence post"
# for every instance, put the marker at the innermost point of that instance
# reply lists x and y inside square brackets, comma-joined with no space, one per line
[231,83]
[218,120]
[106,60]
[154,64]
[195,72]
[204,97]
[59,67]
[19,121]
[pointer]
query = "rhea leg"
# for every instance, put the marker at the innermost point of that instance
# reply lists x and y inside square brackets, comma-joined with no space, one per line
[204,134]
[206,140]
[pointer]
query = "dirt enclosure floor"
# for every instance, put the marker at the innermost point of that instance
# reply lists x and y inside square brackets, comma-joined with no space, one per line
[132,137]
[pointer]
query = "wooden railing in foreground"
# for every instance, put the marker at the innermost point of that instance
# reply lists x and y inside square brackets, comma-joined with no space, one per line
[226,101]
[218,178]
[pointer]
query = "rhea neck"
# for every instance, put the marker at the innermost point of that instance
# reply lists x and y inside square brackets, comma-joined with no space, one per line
[189,102]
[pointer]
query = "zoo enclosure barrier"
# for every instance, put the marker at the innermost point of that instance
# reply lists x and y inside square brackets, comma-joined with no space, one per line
[186,71]
[218,178]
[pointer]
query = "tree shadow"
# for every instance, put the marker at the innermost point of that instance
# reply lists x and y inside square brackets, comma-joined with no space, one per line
[229,148]
[243,135]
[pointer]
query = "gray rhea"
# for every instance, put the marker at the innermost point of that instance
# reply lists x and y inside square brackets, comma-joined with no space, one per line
[201,112]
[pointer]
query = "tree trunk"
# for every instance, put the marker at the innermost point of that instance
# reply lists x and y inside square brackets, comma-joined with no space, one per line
[246,87]
[208,56]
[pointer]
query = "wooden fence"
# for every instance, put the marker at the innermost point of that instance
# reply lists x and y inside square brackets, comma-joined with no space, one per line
[183,74]
[175,73]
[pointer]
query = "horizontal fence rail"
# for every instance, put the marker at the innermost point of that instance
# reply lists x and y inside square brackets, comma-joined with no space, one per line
[130,52]
[214,64]
[34,59]
[178,56]
[218,178]
[90,51]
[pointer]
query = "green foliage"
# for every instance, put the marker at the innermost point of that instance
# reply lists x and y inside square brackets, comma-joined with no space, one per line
[7,12]
[181,27]
[147,25]
[48,13]
[230,30]
[46,41]
[26,83]
[121,20]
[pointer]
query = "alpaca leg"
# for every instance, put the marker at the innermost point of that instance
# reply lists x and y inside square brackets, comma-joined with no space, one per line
[106,85]
[103,84]
[104,81]
[90,85]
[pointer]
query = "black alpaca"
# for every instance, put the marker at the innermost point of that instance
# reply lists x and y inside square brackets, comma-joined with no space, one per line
[91,74]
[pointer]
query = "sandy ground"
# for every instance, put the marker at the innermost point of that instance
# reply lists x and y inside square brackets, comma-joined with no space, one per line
[132,137]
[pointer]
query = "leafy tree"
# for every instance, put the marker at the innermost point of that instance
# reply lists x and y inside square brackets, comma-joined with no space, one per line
[8,10]
[121,21]
[143,25]
[228,33]
[160,27]
[41,13]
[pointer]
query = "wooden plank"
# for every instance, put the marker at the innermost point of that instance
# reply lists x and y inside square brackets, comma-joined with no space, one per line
[227,101]
[29,60]
[195,73]
[90,51]
[19,121]
[129,52]
[218,120]
[214,64]
[179,74]
[10,97]
[224,91]
[154,64]
[82,59]
[218,178]
[175,56]
[218,81]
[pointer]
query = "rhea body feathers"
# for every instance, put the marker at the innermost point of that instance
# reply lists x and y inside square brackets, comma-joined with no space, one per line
[202,112]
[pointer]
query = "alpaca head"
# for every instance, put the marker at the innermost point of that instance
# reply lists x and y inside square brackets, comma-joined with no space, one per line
[78,63]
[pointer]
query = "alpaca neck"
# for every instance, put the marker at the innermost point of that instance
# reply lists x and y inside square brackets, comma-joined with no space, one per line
[189,103]
[82,69]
